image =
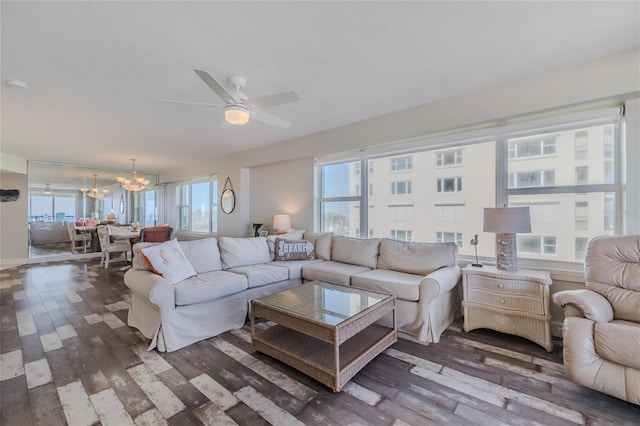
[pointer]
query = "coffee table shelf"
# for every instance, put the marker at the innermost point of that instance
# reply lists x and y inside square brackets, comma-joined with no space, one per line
[331,351]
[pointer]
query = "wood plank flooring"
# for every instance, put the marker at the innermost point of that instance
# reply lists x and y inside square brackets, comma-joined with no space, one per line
[68,357]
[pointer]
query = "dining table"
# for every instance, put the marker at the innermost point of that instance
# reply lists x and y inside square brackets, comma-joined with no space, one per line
[125,233]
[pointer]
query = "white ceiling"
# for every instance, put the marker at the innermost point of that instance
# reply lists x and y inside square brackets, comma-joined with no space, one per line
[97,71]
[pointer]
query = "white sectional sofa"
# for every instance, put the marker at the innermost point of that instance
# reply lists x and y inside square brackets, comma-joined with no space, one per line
[232,271]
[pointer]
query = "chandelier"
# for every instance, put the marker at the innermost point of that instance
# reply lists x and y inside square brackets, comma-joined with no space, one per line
[47,190]
[134,183]
[95,192]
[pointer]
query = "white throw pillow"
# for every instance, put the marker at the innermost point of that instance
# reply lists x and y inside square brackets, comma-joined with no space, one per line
[168,259]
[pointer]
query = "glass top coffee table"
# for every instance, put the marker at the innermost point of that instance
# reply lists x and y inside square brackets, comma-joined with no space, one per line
[327,331]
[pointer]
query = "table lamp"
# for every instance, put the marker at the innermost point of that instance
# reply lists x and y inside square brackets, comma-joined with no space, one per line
[506,222]
[281,223]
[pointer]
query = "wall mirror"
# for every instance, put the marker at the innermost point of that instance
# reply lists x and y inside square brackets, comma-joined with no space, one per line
[66,199]
[228,198]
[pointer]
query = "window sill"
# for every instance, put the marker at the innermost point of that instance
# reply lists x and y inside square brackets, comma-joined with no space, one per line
[560,271]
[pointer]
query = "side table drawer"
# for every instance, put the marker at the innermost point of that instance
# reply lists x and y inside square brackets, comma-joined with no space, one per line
[515,287]
[507,301]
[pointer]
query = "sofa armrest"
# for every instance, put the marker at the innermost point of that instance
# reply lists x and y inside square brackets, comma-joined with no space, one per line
[591,304]
[439,282]
[152,287]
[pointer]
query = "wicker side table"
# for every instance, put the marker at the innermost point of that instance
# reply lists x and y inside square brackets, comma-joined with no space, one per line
[513,302]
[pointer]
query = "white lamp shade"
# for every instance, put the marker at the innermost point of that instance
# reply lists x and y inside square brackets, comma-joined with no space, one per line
[507,220]
[236,115]
[281,221]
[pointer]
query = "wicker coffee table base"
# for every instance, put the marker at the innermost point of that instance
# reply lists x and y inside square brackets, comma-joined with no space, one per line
[331,354]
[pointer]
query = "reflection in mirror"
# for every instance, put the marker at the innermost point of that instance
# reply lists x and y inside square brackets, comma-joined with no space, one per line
[67,202]
[228,201]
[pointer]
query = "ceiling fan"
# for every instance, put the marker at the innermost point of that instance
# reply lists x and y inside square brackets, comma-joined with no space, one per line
[238,107]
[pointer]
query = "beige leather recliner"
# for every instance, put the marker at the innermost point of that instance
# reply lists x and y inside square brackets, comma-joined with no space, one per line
[601,329]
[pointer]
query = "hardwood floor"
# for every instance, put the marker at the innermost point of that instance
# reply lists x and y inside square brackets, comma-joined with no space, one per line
[67,357]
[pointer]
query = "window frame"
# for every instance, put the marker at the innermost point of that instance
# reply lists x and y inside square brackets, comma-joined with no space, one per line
[528,126]
[186,203]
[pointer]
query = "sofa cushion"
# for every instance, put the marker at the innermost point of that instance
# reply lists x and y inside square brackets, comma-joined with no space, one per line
[236,252]
[322,243]
[618,341]
[402,285]
[168,260]
[271,240]
[332,272]
[416,258]
[294,249]
[261,274]
[356,251]
[203,254]
[209,286]
[295,267]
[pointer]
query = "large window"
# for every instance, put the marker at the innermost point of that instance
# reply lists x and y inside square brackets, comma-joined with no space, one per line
[570,199]
[57,207]
[199,205]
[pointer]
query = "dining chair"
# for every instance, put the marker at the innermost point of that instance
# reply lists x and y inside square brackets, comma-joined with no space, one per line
[156,234]
[107,247]
[79,240]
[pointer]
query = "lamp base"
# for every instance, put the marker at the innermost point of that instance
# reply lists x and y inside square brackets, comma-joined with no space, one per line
[506,252]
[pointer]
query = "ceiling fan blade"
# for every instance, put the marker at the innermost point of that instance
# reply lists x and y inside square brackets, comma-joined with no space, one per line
[270,119]
[264,102]
[215,86]
[171,101]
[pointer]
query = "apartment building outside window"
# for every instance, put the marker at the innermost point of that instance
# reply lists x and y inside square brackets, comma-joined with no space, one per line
[401,187]
[450,237]
[582,144]
[402,235]
[451,213]
[400,164]
[582,175]
[531,179]
[535,244]
[540,173]
[532,146]
[198,205]
[449,158]
[453,184]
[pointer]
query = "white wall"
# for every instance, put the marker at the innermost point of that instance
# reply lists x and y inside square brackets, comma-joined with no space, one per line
[283,188]
[13,222]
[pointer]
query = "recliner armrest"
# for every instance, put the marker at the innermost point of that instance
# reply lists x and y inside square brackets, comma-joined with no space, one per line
[593,305]
[438,282]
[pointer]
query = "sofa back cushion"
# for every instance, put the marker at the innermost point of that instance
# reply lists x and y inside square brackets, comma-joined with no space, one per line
[355,251]
[236,252]
[322,244]
[203,254]
[612,268]
[416,258]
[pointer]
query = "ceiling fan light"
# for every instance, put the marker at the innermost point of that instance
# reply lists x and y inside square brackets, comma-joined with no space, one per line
[236,115]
